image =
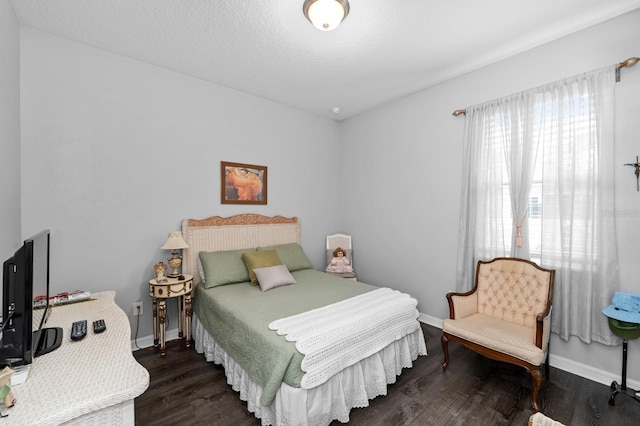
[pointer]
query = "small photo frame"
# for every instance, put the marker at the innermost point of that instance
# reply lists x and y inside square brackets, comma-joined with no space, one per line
[242,183]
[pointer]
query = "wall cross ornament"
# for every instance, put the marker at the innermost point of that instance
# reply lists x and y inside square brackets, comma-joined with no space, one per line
[637,166]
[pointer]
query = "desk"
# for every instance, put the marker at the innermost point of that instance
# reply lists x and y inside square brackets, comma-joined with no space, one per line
[93,380]
[160,292]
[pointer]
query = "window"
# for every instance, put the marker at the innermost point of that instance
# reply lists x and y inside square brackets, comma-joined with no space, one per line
[541,162]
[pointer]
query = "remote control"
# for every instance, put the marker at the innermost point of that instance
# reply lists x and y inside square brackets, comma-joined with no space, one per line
[99,326]
[79,330]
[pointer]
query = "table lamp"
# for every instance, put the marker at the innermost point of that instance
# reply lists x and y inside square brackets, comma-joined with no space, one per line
[175,242]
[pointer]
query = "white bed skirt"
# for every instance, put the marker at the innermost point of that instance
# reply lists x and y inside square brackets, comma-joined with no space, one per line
[353,387]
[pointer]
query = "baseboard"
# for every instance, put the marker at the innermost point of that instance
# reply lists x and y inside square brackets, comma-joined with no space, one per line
[565,364]
[432,321]
[591,373]
[147,341]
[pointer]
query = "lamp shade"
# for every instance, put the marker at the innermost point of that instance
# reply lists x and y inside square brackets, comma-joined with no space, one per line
[326,15]
[175,242]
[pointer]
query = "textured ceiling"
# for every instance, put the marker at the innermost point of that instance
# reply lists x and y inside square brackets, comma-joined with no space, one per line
[385,49]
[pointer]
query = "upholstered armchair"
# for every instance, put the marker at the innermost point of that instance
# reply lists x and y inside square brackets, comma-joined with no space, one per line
[506,316]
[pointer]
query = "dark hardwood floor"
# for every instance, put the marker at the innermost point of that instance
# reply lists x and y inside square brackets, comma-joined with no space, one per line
[184,389]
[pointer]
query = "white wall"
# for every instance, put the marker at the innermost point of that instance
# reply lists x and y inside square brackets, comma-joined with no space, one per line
[406,169]
[9,132]
[116,153]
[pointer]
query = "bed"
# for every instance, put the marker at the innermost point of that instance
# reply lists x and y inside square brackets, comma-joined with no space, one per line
[277,337]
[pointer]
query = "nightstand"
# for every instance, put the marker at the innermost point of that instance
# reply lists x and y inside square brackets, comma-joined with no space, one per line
[160,292]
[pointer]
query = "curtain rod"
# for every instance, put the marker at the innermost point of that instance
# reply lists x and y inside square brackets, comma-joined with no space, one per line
[628,63]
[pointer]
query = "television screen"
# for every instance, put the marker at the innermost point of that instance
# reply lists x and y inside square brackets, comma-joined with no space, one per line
[26,303]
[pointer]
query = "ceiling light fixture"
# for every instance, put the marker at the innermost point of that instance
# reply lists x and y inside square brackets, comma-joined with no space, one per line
[325,15]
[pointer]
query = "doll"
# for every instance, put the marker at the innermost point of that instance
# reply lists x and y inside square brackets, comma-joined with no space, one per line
[339,263]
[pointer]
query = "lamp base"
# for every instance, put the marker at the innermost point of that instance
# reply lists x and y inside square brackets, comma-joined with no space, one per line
[174,263]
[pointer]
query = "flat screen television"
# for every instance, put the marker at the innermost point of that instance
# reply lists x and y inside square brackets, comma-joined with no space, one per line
[25,280]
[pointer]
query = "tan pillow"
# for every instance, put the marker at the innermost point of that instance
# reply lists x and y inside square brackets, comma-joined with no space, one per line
[260,259]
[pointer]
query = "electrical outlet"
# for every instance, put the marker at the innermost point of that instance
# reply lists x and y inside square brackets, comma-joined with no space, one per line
[137,308]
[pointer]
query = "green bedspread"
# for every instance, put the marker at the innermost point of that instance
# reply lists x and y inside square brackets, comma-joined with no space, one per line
[238,316]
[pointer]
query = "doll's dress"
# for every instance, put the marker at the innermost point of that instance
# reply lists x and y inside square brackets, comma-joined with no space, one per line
[339,265]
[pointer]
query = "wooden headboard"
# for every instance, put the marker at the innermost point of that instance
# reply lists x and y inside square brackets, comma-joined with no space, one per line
[243,231]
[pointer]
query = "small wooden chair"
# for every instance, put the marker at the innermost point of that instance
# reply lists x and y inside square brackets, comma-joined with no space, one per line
[506,316]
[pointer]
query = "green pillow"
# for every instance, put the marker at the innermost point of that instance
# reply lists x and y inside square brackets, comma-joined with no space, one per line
[291,255]
[262,259]
[223,267]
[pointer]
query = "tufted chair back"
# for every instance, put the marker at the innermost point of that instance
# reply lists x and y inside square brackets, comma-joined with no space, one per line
[512,290]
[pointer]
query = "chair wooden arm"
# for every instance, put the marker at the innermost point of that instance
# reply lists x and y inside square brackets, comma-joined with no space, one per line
[543,319]
[466,303]
[543,327]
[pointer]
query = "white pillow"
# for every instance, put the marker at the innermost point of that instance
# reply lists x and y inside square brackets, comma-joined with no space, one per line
[273,276]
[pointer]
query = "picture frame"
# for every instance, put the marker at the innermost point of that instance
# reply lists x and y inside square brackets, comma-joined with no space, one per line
[242,183]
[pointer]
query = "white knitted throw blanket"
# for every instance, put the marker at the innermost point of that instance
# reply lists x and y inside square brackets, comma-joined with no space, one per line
[339,335]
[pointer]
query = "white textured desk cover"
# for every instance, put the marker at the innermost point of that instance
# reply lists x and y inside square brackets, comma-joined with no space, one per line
[91,381]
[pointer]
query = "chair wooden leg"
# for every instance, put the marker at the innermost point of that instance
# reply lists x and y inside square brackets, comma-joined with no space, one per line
[536,379]
[445,349]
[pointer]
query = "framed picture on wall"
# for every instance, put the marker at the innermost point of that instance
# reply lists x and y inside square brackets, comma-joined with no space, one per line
[243,183]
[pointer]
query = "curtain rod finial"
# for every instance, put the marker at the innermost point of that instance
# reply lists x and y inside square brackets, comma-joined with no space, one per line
[629,62]
[459,112]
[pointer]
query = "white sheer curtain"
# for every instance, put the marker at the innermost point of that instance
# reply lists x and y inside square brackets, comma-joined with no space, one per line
[542,160]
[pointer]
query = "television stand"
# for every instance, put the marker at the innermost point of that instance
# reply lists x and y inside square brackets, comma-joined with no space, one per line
[88,381]
[50,339]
